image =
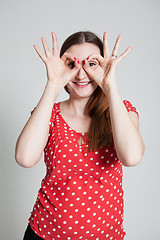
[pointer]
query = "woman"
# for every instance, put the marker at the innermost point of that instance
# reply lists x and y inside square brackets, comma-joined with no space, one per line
[86,140]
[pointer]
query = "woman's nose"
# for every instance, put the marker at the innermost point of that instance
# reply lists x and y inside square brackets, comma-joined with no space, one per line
[81,74]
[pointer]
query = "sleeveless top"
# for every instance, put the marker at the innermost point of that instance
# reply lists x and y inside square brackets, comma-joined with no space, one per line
[81,196]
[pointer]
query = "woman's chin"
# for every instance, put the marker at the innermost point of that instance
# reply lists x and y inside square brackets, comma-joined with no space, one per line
[82,94]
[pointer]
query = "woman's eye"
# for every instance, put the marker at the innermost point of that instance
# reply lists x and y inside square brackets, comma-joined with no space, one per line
[71,65]
[92,64]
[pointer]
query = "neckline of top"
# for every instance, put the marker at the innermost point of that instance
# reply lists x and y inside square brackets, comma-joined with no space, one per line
[81,133]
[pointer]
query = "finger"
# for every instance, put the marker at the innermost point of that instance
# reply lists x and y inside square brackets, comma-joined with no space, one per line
[42,56]
[75,69]
[105,46]
[91,70]
[55,45]
[124,54]
[67,56]
[45,46]
[88,69]
[116,46]
[77,66]
[97,56]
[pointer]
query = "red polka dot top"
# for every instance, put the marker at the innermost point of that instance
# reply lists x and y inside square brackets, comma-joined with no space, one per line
[81,196]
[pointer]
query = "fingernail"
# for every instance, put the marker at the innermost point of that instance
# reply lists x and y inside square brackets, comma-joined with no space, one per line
[78,61]
[87,58]
[75,58]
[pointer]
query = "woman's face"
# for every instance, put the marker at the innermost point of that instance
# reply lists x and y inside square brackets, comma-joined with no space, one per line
[81,85]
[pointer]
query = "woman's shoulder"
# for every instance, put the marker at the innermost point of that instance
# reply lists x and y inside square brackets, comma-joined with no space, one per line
[130,106]
[55,110]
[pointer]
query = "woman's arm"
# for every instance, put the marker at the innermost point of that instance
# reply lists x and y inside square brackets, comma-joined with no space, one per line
[33,138]
[125,128]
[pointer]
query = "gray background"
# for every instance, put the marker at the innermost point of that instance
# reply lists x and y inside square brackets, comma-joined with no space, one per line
[23,78]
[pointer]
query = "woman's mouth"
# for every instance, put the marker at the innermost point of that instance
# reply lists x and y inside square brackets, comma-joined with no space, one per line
[82,84]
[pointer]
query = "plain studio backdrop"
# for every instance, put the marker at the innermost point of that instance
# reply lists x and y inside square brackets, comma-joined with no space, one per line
[23,78]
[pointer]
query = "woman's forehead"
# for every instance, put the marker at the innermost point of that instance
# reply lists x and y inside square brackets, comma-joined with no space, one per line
[82,51]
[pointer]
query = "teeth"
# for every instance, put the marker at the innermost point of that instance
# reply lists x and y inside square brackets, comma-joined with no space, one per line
[82,83]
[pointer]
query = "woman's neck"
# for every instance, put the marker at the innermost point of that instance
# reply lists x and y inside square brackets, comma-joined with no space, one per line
[77,106]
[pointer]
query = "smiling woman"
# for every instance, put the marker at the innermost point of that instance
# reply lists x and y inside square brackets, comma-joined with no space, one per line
[83,45]
[86,140]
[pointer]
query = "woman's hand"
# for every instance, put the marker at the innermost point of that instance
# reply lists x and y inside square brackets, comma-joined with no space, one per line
[104,73]
[57,70]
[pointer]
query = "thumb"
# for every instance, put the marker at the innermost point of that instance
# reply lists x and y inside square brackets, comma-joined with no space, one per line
[76,68]
[88,69]
[94,73]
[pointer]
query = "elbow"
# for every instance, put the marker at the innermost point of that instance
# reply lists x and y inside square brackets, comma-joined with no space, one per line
[134,158]
[131,162]
[24,160]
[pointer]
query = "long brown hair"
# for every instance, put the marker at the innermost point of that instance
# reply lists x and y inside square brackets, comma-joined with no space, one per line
[100,132]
